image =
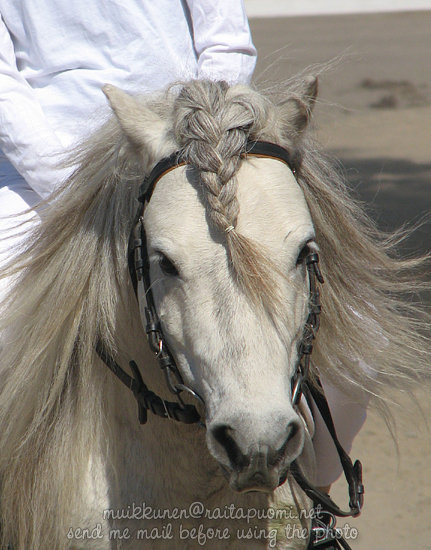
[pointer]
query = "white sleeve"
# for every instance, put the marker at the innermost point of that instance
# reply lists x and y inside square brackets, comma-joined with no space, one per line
[222,40]
[26,138]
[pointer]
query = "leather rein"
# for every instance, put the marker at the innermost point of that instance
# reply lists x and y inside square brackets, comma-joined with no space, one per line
[188,414]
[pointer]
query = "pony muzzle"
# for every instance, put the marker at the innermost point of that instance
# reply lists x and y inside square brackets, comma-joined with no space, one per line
[254,461]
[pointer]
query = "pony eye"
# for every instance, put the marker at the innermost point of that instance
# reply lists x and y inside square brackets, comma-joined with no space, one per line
[167,266]
[305,250]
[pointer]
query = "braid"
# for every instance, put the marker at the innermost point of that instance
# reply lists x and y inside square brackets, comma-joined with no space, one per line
[212,124]
[207,145]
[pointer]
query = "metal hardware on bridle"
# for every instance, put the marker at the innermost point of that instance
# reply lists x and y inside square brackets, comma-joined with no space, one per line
[147,400]
[160,350]
[311,327]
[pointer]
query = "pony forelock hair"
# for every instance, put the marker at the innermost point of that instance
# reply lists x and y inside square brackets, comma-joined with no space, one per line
[212,124]
[73,290]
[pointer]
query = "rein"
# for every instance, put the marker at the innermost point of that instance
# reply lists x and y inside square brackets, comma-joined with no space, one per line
[182,412]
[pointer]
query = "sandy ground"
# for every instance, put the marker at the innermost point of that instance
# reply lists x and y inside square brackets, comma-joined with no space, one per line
[374,115]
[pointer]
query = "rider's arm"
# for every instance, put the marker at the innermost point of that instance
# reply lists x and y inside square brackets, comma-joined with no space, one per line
[222,40]
[26,138]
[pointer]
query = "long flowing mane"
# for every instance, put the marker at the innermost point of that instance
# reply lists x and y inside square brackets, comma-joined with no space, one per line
[73,289]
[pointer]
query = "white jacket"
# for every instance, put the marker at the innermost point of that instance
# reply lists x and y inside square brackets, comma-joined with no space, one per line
[55,55]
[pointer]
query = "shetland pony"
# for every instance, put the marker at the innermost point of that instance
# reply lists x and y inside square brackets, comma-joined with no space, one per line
[226,238]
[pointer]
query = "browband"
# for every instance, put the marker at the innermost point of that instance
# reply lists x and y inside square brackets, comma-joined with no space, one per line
[263,149]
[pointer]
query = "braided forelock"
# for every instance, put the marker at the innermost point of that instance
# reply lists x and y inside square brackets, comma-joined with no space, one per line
[212,126]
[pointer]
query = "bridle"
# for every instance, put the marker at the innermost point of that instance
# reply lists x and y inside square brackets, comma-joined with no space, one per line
[186,413]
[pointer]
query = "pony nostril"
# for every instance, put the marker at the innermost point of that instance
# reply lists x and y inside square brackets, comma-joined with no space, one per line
[241,447]
[291,445]
[222,434]
[292,429]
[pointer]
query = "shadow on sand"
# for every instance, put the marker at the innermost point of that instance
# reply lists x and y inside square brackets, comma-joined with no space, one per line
[395,192]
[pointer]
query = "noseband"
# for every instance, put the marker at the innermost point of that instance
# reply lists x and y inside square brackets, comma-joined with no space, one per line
[186,413]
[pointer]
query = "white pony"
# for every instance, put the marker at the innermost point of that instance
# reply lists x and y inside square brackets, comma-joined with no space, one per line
[226,239]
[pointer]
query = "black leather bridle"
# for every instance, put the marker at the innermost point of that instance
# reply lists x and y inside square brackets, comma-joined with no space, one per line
[186,413]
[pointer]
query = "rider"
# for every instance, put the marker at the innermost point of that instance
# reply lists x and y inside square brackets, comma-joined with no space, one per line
[54,58]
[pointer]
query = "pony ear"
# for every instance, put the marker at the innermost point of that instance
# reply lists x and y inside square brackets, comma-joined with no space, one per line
[144,128]
[296,111]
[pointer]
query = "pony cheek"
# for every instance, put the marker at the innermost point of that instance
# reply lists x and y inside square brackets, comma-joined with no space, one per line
[172,326]
[169,300]
[190,371]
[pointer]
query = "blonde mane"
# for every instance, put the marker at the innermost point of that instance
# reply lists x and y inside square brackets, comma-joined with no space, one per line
[73,289]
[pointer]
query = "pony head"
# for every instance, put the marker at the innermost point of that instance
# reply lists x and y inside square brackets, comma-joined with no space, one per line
[226,241]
